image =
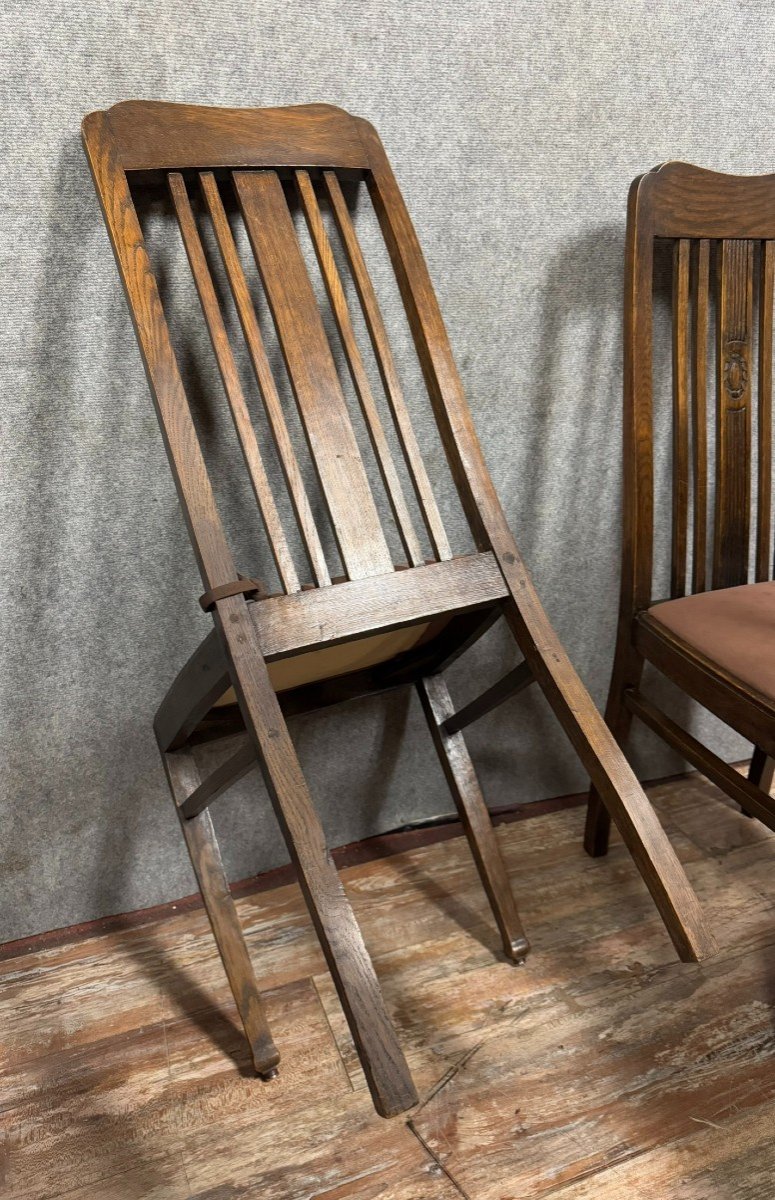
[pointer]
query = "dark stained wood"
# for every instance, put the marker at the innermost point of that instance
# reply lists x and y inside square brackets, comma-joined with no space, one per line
[700,292]
[450,602]
[512,683]
[184,780]
[340,938]
[336,296]
[461,777]
[734,331]
[764,552]
[387,368]
[313,375]
[265,379]
[150,135]
[719,772]
[592,740]
[218,781]
[232,386]
[680,415]
[690,205]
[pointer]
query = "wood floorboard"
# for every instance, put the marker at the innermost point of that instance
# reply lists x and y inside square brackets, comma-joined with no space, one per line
[601,1069]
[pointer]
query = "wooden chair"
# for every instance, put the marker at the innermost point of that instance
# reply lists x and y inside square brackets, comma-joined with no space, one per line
[715,636]
[381,627]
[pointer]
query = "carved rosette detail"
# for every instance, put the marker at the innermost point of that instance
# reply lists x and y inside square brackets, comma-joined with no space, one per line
[735,375]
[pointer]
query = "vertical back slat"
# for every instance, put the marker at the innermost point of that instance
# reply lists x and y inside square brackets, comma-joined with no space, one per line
[764,564]
[232,386]
[387,368]
[265,380]
[313,375]
[680,415]
[339,308]
[733,413]
[700,286]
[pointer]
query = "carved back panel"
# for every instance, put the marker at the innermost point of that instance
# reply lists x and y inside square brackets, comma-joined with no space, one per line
[721,231]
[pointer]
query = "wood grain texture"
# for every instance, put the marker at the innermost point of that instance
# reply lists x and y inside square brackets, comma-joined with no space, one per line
[734,334]
[700,292]
[600,1069]
[464,785]
[764,550]
[341,312]
[265,379]
[701,211]
[313,375]
[387,368]
[152,135]
[232,386]
[681,356]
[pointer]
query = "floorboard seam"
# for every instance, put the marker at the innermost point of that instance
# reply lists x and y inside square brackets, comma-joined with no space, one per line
[334,1038]
[435,1158]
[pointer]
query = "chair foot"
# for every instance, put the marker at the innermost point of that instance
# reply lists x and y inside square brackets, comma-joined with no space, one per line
[518,951]
[268,1075]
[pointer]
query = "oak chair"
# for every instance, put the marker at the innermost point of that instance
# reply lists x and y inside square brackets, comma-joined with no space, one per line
[713,634]
[380,627]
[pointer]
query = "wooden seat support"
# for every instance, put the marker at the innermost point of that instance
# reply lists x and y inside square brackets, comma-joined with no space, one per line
[260,163]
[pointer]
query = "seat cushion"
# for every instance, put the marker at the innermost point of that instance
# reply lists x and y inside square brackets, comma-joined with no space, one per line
[733,627]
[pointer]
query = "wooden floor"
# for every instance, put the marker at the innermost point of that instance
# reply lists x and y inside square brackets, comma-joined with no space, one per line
[602,1069]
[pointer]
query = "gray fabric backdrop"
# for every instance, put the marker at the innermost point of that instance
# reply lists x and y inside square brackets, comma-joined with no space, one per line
[515,129]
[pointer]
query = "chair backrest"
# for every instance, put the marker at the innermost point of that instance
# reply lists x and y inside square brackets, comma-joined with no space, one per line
[722,234]
[209,158]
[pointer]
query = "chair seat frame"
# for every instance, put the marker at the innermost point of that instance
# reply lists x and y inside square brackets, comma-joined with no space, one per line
[136,139]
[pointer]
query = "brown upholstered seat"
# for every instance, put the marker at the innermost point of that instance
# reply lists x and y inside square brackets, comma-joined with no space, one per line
[732,627]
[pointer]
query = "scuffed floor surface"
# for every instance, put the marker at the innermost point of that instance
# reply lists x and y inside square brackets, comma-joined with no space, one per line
[602,1069]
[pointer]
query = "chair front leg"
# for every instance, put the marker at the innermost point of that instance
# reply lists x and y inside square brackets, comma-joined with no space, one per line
[383,1062]
[464,785]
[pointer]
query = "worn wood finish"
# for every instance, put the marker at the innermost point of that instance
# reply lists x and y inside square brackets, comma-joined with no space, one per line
[185,781]
[702,212]
[218,781]
[336,296]
[681,355]
[313,375]
[232,386]
[451,601]
[600,1069]
[387,368]
[593,741]
[265,379]
[734,332]
[764,551]
[700,291]
[461,777]
[512,683]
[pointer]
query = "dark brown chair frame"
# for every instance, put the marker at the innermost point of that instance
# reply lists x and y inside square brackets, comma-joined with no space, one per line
[702,213]
[314,145]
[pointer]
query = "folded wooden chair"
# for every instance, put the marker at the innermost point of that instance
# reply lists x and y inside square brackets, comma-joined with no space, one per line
[381,627]
[715,635]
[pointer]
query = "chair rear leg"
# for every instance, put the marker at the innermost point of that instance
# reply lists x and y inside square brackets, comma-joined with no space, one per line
[464,785]
[184,778]
[760,772]
[627,672]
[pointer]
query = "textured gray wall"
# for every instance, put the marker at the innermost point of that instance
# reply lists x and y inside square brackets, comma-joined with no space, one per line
[515,129]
